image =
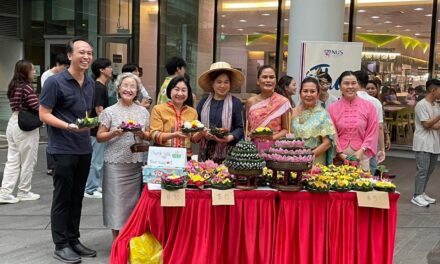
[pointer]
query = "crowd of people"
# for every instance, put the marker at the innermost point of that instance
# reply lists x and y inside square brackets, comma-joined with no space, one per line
[98,162]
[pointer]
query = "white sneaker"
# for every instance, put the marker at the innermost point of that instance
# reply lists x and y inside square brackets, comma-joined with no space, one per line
[95,194]
[100,189]
[29,196]
[419,201]
[8,198]
[428,199]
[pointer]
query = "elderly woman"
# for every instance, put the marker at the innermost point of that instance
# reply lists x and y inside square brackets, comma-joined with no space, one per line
[220,110]
[268,109]
[168,118]
[286,86]
[122,181]
[356,123]
[22,145]
[312,122]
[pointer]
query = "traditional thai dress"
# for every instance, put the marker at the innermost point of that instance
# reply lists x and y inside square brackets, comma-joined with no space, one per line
[268,113]
[357,127]
[227,113]
[313,125]
[166,119]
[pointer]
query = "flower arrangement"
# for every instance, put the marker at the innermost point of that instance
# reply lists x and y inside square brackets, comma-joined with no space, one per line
[318,186]
[340,178]
[222,178]
[173,182]
[385,186]
[192,126]
[87,122]
[362,185]
[196,180]
[130,126]
[263,131]
[219,132]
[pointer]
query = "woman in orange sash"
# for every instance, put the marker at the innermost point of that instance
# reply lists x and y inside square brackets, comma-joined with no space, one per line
[268,109]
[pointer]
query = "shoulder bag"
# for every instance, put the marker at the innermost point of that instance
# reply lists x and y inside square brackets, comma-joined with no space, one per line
[28,120]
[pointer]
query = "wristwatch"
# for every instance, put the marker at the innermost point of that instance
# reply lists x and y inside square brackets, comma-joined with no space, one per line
[364,149]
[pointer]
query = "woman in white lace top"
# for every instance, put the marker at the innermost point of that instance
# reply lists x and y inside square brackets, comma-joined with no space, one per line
[122,179]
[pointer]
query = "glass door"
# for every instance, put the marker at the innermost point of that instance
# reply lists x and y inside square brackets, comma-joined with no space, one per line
[117,49]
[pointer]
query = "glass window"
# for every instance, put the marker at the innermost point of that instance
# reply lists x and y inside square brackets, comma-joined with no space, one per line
[246,38]
[186,30]
[396,39]
[116,16]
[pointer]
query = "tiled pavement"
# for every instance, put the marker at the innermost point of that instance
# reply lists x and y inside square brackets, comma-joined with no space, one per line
[25,227]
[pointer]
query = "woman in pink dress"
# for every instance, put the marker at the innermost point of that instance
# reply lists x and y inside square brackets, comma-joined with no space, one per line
[356,124]
[267,109]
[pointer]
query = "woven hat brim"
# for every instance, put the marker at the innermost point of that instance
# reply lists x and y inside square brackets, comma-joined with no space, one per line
[237,79]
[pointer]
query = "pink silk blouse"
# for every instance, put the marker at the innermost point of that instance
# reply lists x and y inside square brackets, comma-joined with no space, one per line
[356,125]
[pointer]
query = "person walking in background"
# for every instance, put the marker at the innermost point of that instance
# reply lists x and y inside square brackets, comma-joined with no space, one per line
[175,66]
[325,98]
[144,98]
[426,143]
[61,63]
[69,95]
[362,78]
[122,183]
[102,70]
[22,145]
[286,86]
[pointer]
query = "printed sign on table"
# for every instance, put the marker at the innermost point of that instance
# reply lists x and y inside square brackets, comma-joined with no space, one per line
[166,157]
[373,199]
[223,197]
[174,198]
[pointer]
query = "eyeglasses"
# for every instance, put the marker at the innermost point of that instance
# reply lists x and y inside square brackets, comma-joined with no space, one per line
[128,86]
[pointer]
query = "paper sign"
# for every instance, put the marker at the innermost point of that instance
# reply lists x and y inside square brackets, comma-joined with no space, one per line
[167,157]
[223,197]
[373,199]
[175,198]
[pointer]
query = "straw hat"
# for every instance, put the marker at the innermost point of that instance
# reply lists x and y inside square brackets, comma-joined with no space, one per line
[237,77]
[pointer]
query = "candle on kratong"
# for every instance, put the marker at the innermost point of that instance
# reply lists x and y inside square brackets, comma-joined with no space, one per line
[289,123]
[246,131]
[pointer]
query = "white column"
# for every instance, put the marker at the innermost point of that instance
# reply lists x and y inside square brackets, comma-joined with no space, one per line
[312,20]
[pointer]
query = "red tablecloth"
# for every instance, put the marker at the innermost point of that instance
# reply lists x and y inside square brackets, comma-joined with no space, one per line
[264,227]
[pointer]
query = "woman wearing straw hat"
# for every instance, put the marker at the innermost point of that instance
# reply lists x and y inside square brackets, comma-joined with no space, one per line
[220,110]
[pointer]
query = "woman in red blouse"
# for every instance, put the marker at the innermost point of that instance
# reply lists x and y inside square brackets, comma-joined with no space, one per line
[22,145]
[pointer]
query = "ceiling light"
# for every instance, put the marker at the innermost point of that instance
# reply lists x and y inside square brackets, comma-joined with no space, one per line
[362,11]
[402,12]
[428,15]
[375,17]
[222,26]
[223,15]
[358,27]
[398,26]
[345,23]
[286,19]
[417,34]
[243,20]
[387,22]
[407,30]
[265,14]
[261,25]
[418,9]
[239,29]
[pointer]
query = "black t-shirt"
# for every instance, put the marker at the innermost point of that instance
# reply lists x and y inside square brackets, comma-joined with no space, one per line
[101,99]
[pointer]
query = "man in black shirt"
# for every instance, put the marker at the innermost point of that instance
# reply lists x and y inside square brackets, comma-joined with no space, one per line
[102,70]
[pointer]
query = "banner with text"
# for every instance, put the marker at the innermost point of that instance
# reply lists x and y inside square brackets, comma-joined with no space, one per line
[334,58]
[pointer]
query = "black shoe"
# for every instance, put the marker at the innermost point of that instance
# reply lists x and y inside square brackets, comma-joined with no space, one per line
[67,255]
[83,250]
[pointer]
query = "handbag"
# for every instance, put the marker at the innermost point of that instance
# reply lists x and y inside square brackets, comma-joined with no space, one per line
[28,120]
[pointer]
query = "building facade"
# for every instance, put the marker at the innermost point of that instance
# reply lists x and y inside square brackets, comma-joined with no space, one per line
[399,37]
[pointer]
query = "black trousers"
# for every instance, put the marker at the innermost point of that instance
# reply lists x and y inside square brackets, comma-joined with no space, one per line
[69,181]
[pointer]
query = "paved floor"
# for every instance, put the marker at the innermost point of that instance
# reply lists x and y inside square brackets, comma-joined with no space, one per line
[25,227]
